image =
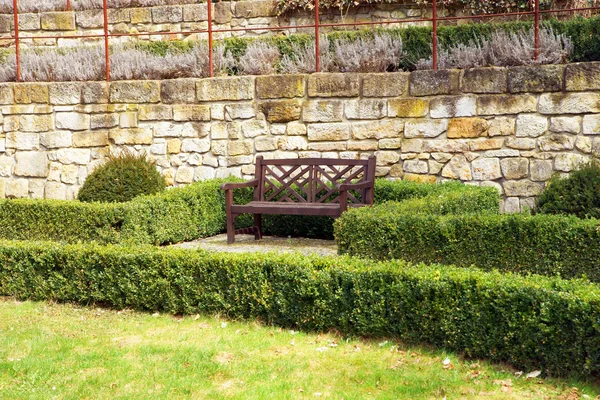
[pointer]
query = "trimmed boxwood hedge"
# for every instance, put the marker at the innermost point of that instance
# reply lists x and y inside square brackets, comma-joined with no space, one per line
[531,322]
[541,244]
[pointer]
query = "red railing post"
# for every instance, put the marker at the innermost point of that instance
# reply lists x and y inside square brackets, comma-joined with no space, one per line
[17,49]
[210,40]
[317,45]
[106,49]
[536,52]
[434,49]
[68,5]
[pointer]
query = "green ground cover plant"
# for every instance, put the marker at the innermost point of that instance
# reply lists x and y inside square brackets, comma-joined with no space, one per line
[532,322]
[50,350]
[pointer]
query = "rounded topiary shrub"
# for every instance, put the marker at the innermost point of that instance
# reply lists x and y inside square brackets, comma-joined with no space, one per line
[121,178]
[578,194]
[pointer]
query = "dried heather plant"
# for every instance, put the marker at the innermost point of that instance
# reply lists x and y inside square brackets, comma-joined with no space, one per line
[379,54]
[31,6]
[261,58]
[8,69]
[84,63]
[304,60]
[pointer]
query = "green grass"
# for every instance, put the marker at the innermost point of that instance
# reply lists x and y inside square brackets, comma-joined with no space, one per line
[70,352]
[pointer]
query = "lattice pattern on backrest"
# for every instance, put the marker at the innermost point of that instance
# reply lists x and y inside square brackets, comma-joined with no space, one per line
[311,182]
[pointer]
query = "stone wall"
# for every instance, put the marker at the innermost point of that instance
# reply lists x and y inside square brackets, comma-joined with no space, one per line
[506,128]
[180,18]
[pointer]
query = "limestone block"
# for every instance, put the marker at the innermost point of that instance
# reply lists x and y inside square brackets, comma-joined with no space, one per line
[408,108]
[296,129]
[506,104]
[193,12]
[131,136]
[484,80]
[65,93]
[6,23]
[222,12]
[159,148]
[2,188]
[511,205]
[31,164]
[387,157]
[256,8]
[191,113]
[90,139]
[154,112]
[239,111]
[69,174]
[142,15]
[25,93]
[240,147]
[467,128]
[531,125]
[486,169]
[167,14]
[535,79]
[116,15]
[254,128]
[58,21]
[135,92]
[104,120]
[540,170]
[328,132]
[502,153]
[184,175]
[565,124]
[419,178]
[72,121]
[363,145]
[556,142]
[521,143]
[391,128]
[453,106]
[591,124]
[2,144]
[33,123]
[94,92]
[412,146]
[281,110]
[458,168]
[173,146]
[434,82]
[365,109]
[567,162]
[178,91]
[445,146]
[328,147]
[514,168]
[596,147]
[569,103]
[486,144]
[428,128]
[522,188]
[322,111]
[333,85]
[416,166]
[502,126]
[267,143]
[195,145]
[293,143]
[582,76]
[28,22]
[225,130]
[584,144]
[385,84]
[280,86]
[390,144]
[228,88]
[6,93]
[204,173]
[18,188]
[22,141]
[127,120]
[167,129]
[434,167]
[56,139]
[6,165]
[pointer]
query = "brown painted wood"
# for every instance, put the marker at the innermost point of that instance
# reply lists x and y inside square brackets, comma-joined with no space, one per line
[308,186]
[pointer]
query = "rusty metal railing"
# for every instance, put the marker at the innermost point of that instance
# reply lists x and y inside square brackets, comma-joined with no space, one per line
[536,13]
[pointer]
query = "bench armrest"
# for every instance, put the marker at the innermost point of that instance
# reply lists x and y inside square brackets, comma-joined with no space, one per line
[353,186]
[229,186]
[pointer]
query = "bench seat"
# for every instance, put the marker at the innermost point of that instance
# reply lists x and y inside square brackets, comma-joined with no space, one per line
[269,207]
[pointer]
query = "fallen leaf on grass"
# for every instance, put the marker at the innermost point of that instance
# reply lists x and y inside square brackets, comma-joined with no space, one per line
[506,385]
[203,325]
[223,357]
[533,374]
[396,365]
[447,363]
[322,349]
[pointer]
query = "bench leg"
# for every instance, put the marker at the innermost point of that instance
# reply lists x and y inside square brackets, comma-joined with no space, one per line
[230,228]
[257,226]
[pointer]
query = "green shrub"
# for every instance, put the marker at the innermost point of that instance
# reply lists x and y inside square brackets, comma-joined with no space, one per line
[121,178]
[532,322]
[541,244]
[578,194]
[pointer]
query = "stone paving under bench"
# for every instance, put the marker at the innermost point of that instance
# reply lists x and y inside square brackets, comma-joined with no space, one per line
[246,243]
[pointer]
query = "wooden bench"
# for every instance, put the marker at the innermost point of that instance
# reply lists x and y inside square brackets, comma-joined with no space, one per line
[309,186]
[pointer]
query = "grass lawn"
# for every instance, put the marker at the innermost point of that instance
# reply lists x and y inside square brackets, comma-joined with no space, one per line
[62,351]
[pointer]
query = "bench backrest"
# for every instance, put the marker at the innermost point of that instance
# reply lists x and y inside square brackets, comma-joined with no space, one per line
[312,180]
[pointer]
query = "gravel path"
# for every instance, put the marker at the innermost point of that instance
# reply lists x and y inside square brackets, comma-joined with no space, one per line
[246,243]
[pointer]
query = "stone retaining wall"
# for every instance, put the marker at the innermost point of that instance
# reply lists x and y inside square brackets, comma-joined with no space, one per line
[180,18]
[506,128]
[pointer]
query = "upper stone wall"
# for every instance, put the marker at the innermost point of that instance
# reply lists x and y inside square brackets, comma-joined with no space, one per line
[509,128]
[179,18]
